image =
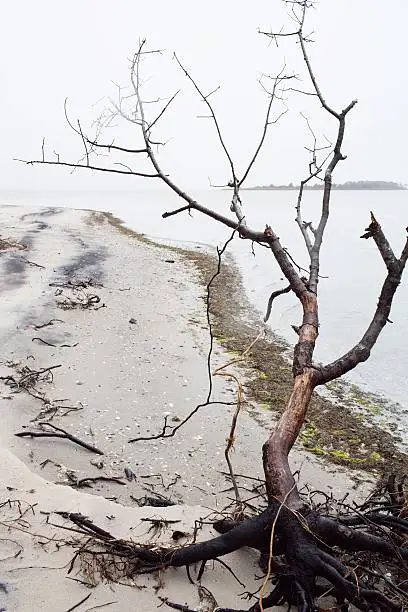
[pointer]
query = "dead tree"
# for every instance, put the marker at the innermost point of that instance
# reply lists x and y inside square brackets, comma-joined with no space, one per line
[305,541]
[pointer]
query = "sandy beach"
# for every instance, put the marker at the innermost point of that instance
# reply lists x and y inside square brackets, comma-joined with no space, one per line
[105,336]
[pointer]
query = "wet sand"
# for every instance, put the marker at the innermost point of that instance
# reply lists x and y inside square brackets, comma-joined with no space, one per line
[136,356]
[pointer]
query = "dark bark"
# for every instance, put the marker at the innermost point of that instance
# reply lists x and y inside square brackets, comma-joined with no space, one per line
[337,157]
[303,551]
[362,350]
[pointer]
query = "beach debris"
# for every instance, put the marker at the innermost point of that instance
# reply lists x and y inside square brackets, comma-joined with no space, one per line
[157,525]
[130,475]
[81,300]
[155,502]
[8,244]
[77,284]
[57,432]
[28,377]
[53,408]
[48,323]
[132,321]
[31,263]
[89,480]
[28,381]
[54,345]
[72,479]
[83,600]
[176,606]
[87,525]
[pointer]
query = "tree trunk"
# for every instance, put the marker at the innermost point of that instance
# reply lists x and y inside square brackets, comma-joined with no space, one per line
[280,483]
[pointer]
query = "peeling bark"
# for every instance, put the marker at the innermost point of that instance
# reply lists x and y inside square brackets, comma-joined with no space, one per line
[280,483]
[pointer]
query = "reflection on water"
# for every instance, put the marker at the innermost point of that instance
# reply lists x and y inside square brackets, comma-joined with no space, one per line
[352,270]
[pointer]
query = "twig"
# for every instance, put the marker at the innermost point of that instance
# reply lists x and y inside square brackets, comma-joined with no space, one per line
[98,606]
[79,603]
[274,295]
[272,95]
[54,345]
[60,433]
[32,263]
[175,606]
[37,374]
[231,571]
[97,168]
[270,556]
[86,524]
[50,322]
[231,437]
[85,482]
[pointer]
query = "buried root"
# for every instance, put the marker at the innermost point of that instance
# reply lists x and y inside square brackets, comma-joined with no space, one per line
[347,555]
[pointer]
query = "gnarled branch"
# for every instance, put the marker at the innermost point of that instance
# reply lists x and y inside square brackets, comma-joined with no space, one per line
[361,351]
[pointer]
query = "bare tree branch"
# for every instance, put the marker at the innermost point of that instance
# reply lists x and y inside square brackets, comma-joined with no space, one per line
[84,143]
[337,156]
[314,247]
[95,142]
[276,82]
[205,99]
[274,295]
[362,350]
[314,170]
[74,165]
[267,237]
[234,183]
[160,115]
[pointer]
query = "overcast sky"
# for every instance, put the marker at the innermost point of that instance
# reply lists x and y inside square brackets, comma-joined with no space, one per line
[55,49]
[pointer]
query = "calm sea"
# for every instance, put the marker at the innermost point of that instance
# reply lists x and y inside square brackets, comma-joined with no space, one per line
[352,268]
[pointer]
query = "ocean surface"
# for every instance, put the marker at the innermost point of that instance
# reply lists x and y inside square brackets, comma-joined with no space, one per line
[351,268]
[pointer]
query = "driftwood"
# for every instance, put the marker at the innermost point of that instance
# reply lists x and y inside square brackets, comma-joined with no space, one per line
[89,480]
[58,433]
[53,345]
[48,323]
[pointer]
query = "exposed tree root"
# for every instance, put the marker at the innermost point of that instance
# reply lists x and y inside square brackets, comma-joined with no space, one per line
[313,554]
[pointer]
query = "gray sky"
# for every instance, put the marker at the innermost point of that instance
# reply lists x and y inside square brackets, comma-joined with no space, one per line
[76,48]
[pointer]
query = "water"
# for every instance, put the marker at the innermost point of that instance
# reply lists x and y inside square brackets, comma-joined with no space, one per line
[353,267]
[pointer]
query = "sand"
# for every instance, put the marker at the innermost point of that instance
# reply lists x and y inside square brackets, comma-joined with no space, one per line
[135,357]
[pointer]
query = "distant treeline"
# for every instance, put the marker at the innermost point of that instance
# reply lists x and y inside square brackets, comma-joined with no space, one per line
[349,185]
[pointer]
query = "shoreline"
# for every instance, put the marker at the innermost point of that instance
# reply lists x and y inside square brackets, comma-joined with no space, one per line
[341,410]
[106,337]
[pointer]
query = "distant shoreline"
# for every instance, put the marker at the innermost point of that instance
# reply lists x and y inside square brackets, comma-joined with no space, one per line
[348,186]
